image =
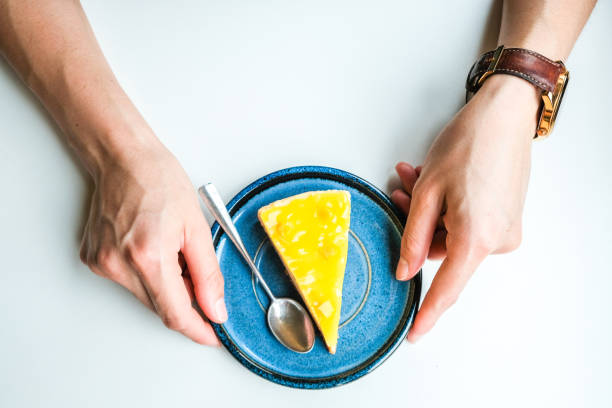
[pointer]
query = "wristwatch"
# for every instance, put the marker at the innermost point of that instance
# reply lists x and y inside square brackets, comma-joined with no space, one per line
[550,77]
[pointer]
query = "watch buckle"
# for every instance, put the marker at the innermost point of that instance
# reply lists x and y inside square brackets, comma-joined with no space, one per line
[550,106]
[492,65]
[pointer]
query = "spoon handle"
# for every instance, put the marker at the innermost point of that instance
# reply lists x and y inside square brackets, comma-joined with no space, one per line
[213,201]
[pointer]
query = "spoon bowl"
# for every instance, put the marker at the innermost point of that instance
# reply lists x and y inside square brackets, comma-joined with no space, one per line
[290,324]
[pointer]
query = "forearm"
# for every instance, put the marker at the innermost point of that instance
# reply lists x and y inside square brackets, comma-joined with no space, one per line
[549,27]
[52,47]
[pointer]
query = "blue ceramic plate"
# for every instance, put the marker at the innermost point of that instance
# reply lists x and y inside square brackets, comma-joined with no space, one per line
[377,310]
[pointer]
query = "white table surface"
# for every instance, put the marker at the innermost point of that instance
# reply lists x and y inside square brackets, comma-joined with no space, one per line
[240,89]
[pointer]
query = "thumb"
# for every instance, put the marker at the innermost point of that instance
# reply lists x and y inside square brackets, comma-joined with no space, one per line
[205,273]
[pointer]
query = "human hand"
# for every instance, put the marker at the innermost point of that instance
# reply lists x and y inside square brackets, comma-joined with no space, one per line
[144,219]
[467,200]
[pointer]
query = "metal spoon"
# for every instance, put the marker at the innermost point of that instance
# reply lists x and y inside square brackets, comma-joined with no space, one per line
[287,319]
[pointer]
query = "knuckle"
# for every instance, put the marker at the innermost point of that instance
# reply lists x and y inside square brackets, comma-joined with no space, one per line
[483,246]
[173,321]
[112,273]
[145,257]
[425,193]
[486,240]
[480,242]
[106,258]
[107,261]
[103,262]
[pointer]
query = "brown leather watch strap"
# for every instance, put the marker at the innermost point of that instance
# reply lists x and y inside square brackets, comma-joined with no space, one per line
[531,66]
[550,77]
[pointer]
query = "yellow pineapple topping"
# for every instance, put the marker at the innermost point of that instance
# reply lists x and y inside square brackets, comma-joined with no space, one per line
[310,234]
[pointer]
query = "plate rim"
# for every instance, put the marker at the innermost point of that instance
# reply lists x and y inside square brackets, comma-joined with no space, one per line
[396,338]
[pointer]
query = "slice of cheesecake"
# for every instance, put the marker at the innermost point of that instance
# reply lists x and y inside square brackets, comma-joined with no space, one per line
[310,234]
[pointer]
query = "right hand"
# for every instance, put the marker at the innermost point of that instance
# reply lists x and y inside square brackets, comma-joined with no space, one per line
[144,224]
[467,201]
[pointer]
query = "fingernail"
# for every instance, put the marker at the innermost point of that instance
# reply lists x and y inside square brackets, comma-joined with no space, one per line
[403,270]
[221,310]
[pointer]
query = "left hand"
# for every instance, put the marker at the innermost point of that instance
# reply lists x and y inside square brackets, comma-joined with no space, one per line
[467,200]
[144,218]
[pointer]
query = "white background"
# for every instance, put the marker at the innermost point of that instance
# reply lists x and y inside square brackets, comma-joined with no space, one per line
[239,89]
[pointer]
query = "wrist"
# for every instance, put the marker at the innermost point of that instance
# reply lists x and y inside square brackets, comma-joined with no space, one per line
[106,130]
[101,123]
[517,92]
[516,99]
[121,143]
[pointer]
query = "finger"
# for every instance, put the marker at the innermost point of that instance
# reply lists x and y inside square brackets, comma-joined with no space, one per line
[418,170]
[204,272]
[407,175]
[444,291]
[109,264]
[166,288]
[128,282]
[416,240]
[134,285]
[402,200]
[438,245]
